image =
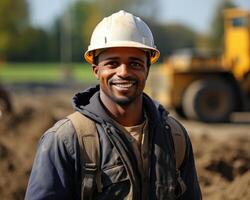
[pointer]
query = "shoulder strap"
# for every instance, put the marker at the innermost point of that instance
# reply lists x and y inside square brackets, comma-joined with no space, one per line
[180,143]
[179,139]
[178,135]
[89,153]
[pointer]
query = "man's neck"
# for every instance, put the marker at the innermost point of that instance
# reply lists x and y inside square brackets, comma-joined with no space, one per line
[126,115]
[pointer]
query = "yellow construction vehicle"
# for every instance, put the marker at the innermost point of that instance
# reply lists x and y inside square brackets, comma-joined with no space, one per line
[207,87]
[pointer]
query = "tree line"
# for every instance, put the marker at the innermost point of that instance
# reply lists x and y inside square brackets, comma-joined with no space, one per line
[69,36]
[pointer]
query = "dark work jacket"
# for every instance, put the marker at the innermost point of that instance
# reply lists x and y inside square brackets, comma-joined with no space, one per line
[56,171]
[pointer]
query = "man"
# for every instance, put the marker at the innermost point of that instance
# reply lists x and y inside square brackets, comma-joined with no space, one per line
[136,150]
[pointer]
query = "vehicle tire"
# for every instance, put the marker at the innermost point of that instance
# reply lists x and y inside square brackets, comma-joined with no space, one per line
[209,100]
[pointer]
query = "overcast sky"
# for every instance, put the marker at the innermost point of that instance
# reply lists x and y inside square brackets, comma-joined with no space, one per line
[194,13]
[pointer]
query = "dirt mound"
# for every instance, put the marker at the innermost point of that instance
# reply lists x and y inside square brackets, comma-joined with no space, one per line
[223,161]
[19,134]
[223,165]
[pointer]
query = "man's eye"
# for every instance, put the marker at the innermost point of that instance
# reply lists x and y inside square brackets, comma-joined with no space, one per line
[136,65]
[112,64]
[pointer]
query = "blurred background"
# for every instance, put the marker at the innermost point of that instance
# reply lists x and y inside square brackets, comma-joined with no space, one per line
[202,78]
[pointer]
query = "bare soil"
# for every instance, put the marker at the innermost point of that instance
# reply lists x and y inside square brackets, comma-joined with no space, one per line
[222,151]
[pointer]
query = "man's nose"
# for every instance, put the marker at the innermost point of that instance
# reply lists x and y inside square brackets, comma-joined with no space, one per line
[123,70]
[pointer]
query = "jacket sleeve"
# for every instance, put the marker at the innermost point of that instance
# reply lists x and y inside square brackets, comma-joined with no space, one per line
[189,175]
[55,168]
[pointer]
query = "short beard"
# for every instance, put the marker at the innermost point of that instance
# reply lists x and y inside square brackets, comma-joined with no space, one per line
[122,101]
[125,101]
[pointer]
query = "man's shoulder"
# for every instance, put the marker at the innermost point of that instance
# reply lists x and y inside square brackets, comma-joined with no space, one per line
[61,129]
[62,133]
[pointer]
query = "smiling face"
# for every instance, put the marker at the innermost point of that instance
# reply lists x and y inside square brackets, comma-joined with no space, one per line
[122,73]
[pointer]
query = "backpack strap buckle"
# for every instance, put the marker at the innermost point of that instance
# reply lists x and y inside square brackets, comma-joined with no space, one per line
[90,168]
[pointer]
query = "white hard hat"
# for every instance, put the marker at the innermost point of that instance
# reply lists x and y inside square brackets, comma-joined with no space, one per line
[121,29]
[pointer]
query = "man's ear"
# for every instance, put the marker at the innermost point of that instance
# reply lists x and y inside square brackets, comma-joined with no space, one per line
[95,69]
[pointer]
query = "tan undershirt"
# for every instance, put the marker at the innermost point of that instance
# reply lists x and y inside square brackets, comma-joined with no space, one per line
[136,132]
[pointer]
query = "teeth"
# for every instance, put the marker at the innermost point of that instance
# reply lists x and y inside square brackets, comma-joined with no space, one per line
[124,85]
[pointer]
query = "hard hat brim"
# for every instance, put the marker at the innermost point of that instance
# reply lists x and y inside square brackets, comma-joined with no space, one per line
[89,55]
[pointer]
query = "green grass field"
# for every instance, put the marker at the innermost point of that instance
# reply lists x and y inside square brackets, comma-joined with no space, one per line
[44,72]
